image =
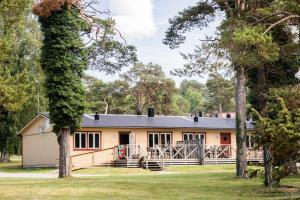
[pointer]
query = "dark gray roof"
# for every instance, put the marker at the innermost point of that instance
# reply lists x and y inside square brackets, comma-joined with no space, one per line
[142,121]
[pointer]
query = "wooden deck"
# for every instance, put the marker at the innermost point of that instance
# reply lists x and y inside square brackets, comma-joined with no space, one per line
[132,156]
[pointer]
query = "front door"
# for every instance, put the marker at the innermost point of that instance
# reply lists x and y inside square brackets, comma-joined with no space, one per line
[124,138]
[225,141]
[225,138]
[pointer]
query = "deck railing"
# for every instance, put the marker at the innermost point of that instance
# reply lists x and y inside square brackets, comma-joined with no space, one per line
[129,151]
[98,157]
[181,151]
[218,151]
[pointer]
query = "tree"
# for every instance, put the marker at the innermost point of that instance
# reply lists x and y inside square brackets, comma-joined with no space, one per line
[180,106]
[242,39]
[18,61]
[149,86]
[108,98]
[280,130]
[65,57]
[220,94]
[199,16]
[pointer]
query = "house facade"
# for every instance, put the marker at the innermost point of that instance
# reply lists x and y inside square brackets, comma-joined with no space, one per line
[106,139]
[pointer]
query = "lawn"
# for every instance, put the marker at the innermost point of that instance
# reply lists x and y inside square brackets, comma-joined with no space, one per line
[15,166]
[185,182]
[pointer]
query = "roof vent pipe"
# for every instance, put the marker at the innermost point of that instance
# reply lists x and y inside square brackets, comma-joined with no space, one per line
[97,117]
[139,113]
[196,119]
[216,115]
[200,114]
[150,112]
[228,116]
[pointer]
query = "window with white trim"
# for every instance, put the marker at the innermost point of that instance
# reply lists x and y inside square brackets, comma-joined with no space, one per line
[162,139]
[194,136]
[80,141]
[94,140]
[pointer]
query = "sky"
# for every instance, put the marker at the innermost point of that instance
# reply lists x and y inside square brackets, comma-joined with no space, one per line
[143,23]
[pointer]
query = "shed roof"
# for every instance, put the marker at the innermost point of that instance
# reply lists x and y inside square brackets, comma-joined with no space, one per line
[143,121]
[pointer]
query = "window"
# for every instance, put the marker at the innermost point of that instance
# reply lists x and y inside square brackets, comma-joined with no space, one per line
[86,140]
[153,139]
[163,139]
[194,136]
[80,141]
[188,136]
[94,140]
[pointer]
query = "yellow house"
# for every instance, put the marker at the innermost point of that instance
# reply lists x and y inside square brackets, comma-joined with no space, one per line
[125,140]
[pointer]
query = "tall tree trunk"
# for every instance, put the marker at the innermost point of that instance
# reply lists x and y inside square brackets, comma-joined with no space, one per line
[106,106]
[268,166]
[64,154]
[220,109]
[5,157]
[241,152]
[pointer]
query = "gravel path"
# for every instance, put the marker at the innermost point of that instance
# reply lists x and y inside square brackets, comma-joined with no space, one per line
[40,175]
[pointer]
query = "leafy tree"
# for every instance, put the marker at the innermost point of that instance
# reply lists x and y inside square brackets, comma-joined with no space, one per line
[149,86]
[180,106]
[191,84]
[220,94]
[18,61]
[64,58]
[108,98]
[245,41]
[280,130]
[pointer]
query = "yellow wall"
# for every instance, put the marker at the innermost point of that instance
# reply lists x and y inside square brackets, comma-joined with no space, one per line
[39,148]
[110,137]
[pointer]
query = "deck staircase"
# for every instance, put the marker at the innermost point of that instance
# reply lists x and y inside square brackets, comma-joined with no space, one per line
[152,166]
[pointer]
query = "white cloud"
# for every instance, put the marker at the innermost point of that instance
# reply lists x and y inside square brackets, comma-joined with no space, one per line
[134,18]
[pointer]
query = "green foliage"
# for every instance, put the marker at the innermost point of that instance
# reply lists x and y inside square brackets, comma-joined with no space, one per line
[250,47]
[220,94]
[198,16]
[19,69]
[149,86]
[181,106]
[108,54]
[281,132]
[109,98]
[64,61]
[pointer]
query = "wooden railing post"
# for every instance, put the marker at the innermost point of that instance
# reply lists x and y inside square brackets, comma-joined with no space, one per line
[147,162]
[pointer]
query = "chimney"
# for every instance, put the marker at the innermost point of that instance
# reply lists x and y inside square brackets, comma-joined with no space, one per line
[150,112]
[196,119]
[200,114]
[97,117]
[228,116]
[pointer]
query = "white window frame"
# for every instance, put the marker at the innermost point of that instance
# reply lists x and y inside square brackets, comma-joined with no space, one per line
[94,140]
[153,139]
[188,136]
[80,136]
[193,134]
[159,134]
[165,136]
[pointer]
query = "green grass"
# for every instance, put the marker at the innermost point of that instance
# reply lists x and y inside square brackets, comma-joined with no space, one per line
[15,166]
[182,182]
